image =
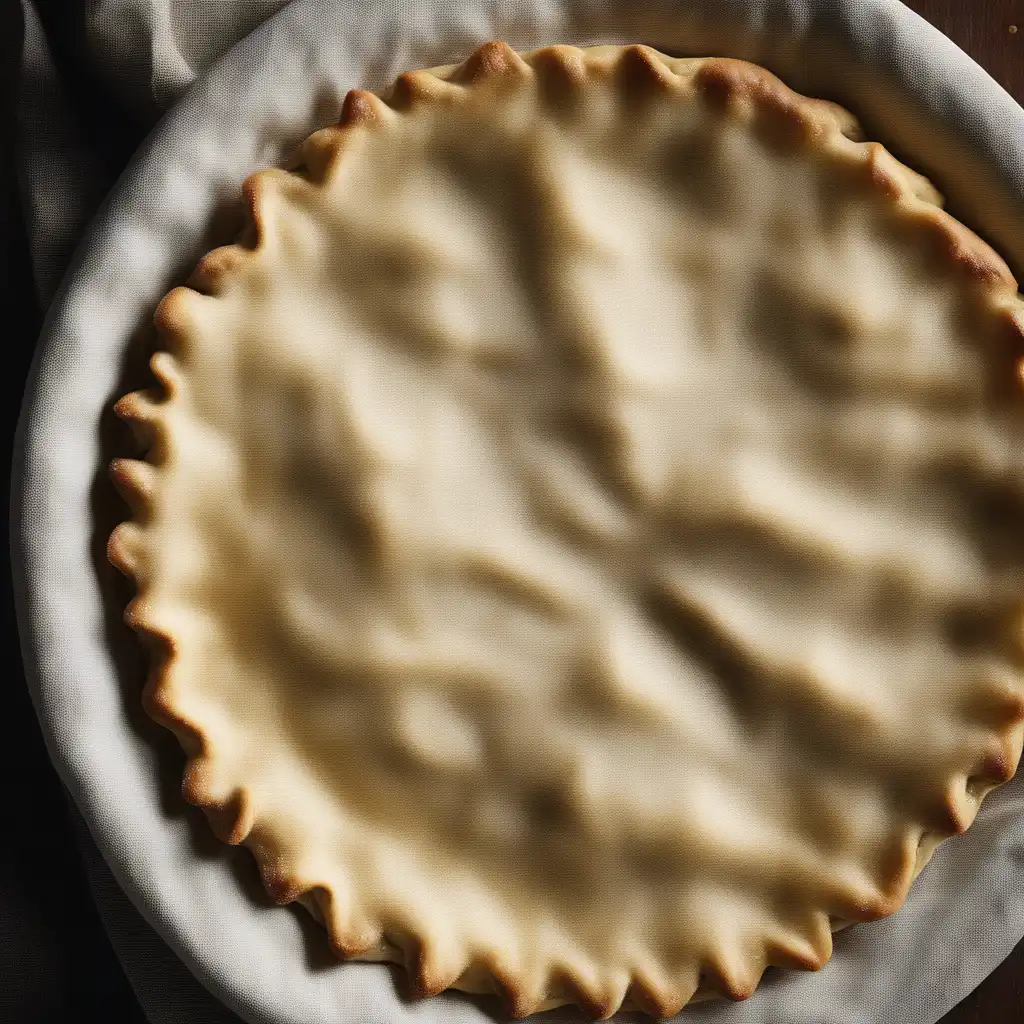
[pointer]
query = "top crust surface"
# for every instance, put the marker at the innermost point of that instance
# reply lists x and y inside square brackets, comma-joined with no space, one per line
[581,527]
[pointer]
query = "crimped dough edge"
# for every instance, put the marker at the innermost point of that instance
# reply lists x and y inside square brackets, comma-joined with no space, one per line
[737,87]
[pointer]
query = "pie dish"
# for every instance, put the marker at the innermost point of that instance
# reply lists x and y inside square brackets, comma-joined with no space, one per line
[577,542]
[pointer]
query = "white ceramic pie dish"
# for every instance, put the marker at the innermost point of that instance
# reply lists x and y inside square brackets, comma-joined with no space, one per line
[264,96]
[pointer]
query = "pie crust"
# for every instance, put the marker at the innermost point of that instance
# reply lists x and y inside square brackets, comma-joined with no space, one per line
[578,536]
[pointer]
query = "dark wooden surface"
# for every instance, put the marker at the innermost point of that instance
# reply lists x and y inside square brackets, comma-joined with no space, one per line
[992,32]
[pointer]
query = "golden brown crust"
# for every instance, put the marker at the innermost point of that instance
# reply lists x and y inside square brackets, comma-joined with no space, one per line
[491,61]
[641,68]
[787,119]
[362,108]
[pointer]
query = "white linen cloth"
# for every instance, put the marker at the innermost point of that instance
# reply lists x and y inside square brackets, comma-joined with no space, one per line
[200,903]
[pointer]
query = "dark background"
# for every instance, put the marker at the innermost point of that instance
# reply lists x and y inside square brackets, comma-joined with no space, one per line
[56,964]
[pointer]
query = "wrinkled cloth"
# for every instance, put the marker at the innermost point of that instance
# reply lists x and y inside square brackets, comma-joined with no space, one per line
[187,918]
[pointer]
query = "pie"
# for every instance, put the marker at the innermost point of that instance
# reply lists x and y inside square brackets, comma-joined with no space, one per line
[579,536]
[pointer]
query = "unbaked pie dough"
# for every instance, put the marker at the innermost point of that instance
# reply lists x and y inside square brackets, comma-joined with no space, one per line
[581,533]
